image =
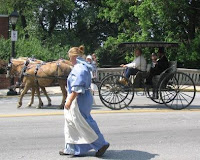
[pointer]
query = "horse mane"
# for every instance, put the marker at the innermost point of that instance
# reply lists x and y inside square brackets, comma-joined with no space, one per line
[22,58]
[65,61]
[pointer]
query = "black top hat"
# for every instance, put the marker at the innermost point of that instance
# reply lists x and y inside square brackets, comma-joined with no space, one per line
[161,50]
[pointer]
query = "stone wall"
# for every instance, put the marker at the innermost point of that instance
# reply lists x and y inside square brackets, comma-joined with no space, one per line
[5,82]
[4,26]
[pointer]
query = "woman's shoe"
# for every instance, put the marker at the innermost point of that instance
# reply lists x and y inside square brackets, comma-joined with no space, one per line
[102,150]
[63,154]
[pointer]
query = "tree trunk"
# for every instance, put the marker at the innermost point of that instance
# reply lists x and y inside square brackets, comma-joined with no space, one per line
[24,24]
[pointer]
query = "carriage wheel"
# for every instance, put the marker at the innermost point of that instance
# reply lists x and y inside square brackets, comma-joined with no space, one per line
[153,94]
[114,94]
[98,83]
[177,90]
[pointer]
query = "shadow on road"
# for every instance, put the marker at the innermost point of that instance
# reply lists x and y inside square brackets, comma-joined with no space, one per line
[94,107]
[121,155]
[51,107]
[158,106]
[128,155]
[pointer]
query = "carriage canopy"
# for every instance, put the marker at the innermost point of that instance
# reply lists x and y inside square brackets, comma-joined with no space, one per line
[147,44]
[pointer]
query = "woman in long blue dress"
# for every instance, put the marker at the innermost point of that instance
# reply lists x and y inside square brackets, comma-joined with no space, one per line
[81,131]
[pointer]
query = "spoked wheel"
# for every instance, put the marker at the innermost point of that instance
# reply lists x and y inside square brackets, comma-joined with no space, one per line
[115,93]
[177,90]
[153,94]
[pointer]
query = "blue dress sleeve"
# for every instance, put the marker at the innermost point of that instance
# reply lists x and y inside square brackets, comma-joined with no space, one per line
[80,80]
[78,89]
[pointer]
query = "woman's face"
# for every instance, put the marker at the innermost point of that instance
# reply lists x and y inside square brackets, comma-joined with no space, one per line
[73,59]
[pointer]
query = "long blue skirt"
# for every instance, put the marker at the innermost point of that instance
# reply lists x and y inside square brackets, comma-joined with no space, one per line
[85,104]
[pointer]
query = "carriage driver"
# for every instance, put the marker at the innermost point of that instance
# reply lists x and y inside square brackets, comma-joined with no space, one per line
[138,64]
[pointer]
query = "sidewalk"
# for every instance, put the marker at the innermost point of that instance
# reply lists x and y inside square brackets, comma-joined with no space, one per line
[8,105]
[51,91]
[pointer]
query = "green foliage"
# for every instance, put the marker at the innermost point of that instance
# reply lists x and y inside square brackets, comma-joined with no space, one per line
[110,54]
[5,49]
[47,28]
[32,48]
[189,55]
[158,20]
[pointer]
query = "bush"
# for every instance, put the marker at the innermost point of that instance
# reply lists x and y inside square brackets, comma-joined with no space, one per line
[5,49]
[32,47]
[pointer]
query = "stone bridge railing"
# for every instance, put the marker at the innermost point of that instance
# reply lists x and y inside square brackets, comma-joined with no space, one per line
[193,73]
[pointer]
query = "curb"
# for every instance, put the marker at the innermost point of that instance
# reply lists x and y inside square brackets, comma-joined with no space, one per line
[10,96]
[101,112]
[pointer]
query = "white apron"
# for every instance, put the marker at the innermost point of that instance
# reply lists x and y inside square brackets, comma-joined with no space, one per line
[77,130]
[94,87]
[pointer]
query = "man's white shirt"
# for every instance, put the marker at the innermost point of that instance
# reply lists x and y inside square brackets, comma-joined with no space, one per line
[138,63]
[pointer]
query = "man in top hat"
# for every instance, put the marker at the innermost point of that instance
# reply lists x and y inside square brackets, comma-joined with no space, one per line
[161,65]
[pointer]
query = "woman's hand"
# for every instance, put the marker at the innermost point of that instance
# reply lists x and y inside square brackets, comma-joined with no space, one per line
[68,103]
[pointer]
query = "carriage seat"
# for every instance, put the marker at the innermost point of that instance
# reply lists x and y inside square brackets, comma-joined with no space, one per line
[172,68]
[138,79]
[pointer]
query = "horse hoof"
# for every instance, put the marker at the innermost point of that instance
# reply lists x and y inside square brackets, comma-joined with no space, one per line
[38,107]
[49,104]
[19,105]
[29,105]
[61,107]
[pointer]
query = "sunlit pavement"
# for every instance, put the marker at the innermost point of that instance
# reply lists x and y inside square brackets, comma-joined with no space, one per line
[140,103]
[143,131]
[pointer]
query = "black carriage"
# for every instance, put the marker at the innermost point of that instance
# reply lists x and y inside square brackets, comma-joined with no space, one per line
[173,88]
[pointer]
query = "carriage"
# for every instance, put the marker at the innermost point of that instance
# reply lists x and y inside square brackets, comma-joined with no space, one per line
[172,88]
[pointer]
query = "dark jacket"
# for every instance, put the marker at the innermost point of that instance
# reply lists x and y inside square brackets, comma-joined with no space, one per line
[161,65]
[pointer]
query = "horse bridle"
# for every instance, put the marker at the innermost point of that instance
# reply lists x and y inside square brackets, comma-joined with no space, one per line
[10,65]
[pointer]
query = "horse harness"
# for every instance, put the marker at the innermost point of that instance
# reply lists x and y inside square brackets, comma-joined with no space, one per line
[21,76]
[38,67]
[55,77]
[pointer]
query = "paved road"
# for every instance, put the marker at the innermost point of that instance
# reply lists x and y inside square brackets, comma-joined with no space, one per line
[149,131]
[133,136]
[8,105]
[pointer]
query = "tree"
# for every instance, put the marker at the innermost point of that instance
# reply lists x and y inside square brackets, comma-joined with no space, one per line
[172,21]
[157,20]
[102,24]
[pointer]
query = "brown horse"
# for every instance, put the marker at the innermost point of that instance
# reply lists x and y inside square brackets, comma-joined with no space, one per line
[16,69]
[45,75]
